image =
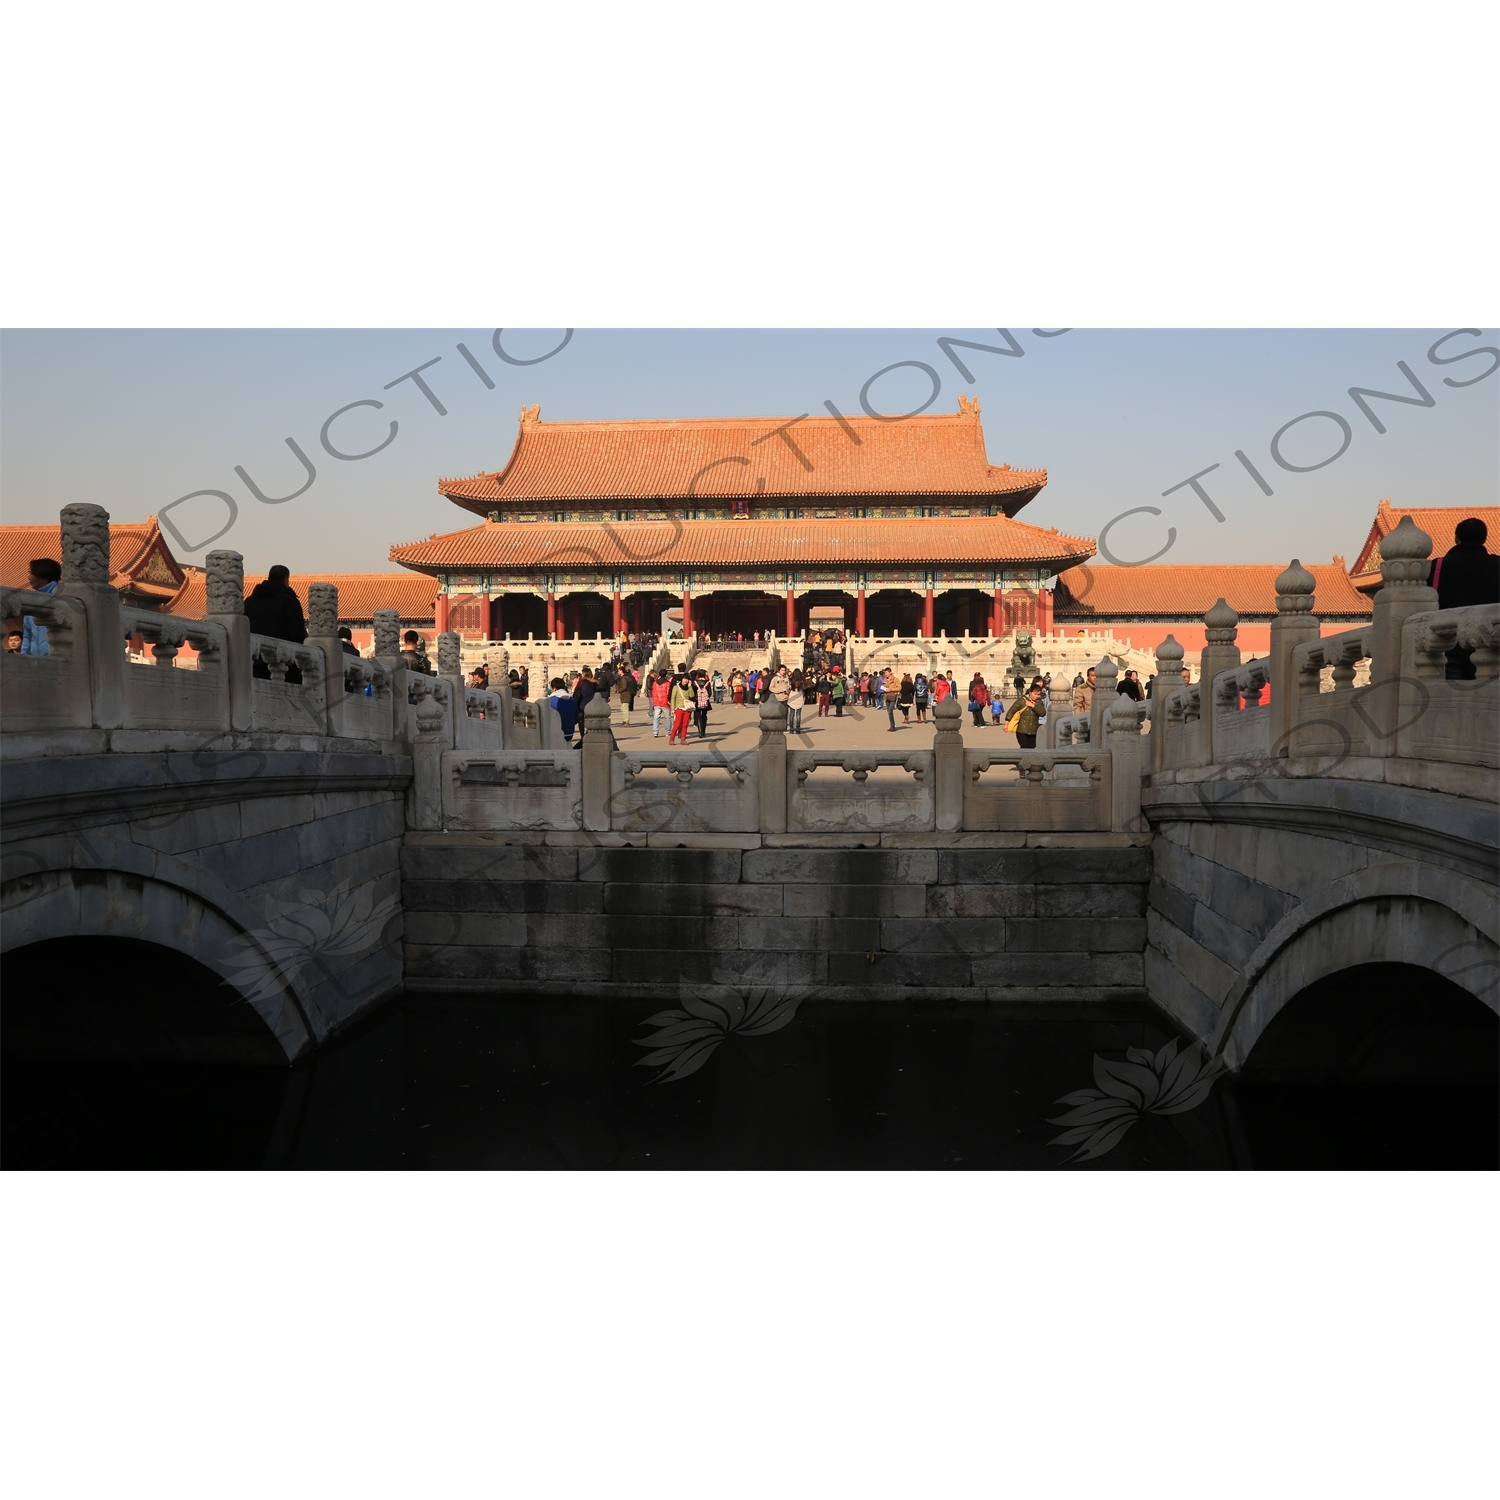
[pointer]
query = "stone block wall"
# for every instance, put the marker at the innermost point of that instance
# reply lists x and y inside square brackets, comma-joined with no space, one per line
[977,916]
[1248,904]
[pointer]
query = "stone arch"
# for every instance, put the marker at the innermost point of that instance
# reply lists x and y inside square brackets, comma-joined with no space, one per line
[86,886]
[1398,912]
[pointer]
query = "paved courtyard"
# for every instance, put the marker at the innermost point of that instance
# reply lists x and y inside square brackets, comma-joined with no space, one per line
[731,728]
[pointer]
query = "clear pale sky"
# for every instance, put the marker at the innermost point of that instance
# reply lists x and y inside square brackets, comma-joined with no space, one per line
[135,419]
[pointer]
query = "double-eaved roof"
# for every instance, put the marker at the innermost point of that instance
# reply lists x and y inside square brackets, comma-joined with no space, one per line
[762,459]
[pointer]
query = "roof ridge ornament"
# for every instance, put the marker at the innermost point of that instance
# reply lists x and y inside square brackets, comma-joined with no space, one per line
[968,405]
[531,416]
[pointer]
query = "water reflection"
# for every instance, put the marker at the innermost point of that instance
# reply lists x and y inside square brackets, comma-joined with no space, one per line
[442,1081]
[460,1081]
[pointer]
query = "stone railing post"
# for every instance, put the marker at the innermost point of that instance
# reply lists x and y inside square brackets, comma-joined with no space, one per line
[388,653]
[85,576]
[1405,592]
[771,766]
[1294,624]
[1219,655]
[450,668]
[1122,735]
[387,636]
[1106,690]
[323,632]
[224,575]
[431,721]
[1168,677]
[598,748]
[948,768]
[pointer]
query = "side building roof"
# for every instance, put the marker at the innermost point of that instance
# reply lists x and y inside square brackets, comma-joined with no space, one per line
[649,545]
[1186,591]
[360,594]
[1437,521]
[761,459]
[140,562]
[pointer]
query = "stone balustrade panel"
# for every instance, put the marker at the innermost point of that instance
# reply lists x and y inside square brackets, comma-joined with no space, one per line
[513,790]
[1242,714]
[1450,720]
[161,694]
[524,732]
[284,707]
[864,796]
[1181,729]
[1336,722]
[1047,790]
[52,691]
[683,790]
[358,714]
[1069,730]
[480,724]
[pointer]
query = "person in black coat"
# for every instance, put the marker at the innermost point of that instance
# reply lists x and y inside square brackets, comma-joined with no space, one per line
[1468,573]
[275,611]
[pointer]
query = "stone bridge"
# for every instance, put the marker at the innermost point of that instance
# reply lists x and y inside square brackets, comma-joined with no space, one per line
[319,839]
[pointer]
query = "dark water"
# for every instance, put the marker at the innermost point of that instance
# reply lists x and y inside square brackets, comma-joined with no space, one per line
[512,1082]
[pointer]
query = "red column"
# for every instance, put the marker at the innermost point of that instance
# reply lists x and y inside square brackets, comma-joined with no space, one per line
[1044,611]
[440,612]
[552,616]
[687,614]
[927,617]
[619,614]
[997,615]
[791,613]
[859,613]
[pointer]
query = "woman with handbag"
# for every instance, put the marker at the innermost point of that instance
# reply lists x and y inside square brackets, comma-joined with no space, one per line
[979,696]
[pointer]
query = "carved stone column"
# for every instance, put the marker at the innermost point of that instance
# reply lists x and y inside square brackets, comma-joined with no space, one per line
[1106,685]
[1294,624]
[598,747]
[85,577]
[1122,738]
[948,770]
[224,576]
[1403,567]
[1168,676]
[323,632]
[430,720]
[771,766]
[1221,627]
[450,668]
[387,636]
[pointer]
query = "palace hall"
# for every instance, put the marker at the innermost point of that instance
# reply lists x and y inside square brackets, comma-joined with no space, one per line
[746,524]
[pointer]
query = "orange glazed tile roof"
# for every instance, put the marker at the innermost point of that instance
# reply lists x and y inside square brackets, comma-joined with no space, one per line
[649,545]
[1437,521]
[128,564]
[744,457]
[360,594]
[1187,591]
